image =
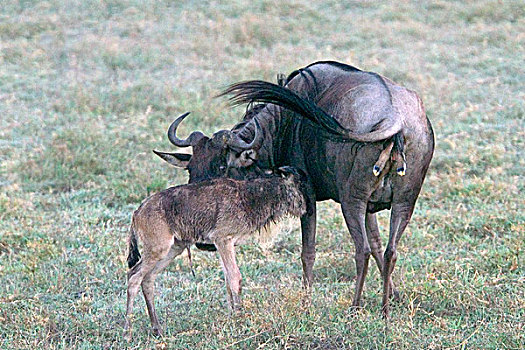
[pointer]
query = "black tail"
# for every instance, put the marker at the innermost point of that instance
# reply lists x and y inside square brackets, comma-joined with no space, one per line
[133,248]
[262,91]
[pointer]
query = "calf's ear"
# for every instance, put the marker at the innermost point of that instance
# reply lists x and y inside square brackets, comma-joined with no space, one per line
[248,157]
[243,159]
[179,160]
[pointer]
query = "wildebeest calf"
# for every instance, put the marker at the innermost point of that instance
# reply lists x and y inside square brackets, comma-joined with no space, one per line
[220,211]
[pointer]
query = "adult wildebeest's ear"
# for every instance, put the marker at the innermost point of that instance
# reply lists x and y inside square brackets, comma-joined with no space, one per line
[180,160]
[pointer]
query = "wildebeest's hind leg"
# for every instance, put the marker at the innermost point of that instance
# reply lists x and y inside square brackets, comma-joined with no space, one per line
[399,218]
[232,275]
[354,211]
[374,239]
[148,285]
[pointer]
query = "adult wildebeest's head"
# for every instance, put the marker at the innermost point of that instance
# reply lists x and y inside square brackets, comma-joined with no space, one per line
[223,152]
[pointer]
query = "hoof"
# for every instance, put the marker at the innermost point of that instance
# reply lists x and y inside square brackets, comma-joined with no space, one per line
[395,296]
[126,331]
[235,309]
[306,300]
[157,332]
[386,313]
[236,314]
[355,310]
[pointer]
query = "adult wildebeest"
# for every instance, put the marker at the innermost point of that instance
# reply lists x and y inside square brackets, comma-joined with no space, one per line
[222,211]
[333,121]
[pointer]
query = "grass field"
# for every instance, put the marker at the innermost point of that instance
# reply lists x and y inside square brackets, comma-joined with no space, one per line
[87,90]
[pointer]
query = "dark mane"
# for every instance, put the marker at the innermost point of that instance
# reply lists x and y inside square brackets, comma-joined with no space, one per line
[261,91]
[252,110]
[342,66]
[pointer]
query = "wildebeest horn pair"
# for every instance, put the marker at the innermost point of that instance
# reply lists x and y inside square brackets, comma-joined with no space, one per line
[234,141]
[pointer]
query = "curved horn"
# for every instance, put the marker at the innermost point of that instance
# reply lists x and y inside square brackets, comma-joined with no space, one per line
[192,140]
[238,143]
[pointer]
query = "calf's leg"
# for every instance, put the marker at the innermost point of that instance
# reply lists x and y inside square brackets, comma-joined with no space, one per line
[157,247]
[135,277]
[232,275]
[148,285]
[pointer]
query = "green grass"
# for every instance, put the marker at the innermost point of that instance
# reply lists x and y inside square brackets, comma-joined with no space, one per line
[87,90]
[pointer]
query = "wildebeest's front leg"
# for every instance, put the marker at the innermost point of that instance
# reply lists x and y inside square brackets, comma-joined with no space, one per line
[232,275]
[354,211]
[308,228]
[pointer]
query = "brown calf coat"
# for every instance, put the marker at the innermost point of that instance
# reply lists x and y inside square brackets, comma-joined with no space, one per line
[220,211]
